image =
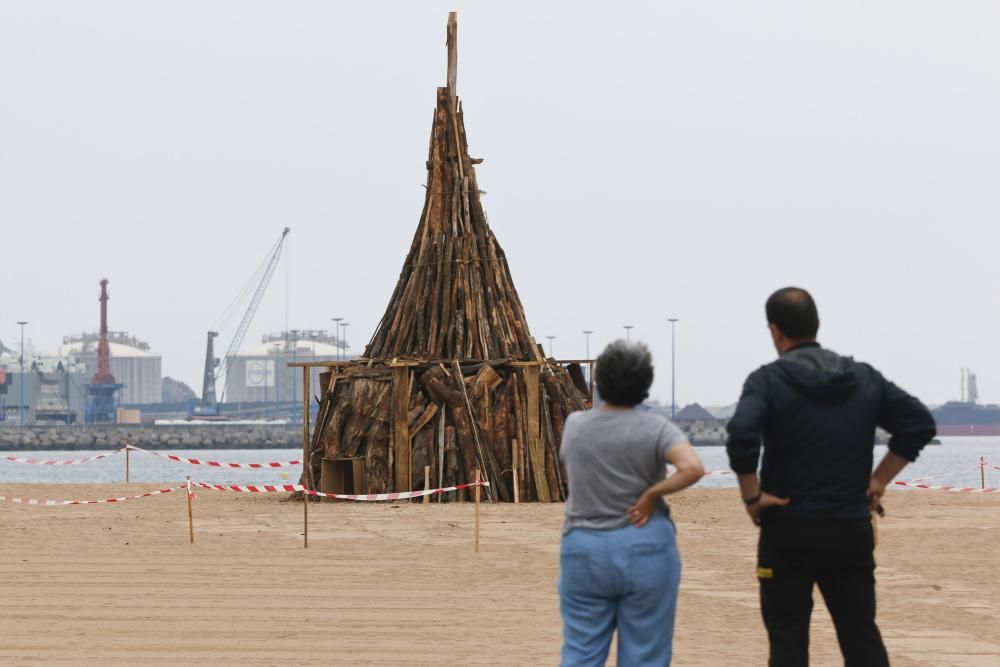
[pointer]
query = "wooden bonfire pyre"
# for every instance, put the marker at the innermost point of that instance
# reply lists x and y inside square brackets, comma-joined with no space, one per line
[452,378]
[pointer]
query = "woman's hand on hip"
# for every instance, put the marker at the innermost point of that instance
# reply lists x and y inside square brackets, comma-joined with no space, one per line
[643,508]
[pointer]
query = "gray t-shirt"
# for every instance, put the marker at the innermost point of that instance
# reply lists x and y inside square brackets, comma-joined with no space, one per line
[611,457]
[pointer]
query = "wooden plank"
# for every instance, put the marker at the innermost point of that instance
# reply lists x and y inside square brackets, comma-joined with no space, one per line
[536,448]
[441,434]
[401,428]
[328,363]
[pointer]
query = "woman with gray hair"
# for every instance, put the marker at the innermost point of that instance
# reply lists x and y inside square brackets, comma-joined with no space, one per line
[619,565]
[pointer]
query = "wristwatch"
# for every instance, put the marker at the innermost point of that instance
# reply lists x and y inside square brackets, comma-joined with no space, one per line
[751,501]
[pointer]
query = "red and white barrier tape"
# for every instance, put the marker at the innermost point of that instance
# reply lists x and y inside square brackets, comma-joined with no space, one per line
[69,462]
[941,487]
[951,473]
[716,473]
[289,488]
[36,501]
[216,464]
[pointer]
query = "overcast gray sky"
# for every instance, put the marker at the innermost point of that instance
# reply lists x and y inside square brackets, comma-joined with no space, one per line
[643,160]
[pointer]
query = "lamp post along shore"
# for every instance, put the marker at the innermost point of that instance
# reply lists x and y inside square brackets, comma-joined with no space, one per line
[673,376]
[336,331]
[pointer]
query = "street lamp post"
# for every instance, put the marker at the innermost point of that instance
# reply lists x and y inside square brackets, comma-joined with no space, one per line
[551,338]
[295,350]
[673,377]
[336,333]
[20,380]
[346,347]
[277,361]
[628,331]
[587,334]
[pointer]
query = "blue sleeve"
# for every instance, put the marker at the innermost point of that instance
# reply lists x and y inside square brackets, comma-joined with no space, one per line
[747,425]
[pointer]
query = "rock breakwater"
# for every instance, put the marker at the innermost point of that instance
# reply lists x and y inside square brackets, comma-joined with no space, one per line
[194,436]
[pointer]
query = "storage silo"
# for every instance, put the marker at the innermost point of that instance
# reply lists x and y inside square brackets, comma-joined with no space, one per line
[132,364]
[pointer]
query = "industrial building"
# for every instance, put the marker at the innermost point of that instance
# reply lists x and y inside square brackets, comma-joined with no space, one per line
[132,364]
[261,373]
[50,389]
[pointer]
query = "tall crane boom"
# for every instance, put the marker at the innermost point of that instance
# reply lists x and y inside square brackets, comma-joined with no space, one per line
[215,368]
[255,300]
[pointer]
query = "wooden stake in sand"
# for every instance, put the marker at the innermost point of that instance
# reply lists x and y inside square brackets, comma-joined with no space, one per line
[427,483]
[126,461]
[982,472]
[190,512]
[476,480]
[515,456]
[306,468]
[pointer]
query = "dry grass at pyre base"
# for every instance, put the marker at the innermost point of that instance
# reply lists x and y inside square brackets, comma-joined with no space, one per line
[399,584]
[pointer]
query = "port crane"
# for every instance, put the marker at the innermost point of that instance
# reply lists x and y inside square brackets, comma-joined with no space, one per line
[215,368]
[102,390]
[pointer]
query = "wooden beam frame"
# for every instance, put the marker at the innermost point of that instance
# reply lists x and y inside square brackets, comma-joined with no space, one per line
[306,467]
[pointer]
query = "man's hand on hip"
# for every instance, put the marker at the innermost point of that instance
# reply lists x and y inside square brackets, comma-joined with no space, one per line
[766,500]
[876,489]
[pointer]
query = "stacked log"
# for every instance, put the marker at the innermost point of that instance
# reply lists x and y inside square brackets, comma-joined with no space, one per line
[452,378]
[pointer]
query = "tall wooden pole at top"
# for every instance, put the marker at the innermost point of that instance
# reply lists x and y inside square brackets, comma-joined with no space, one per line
[453,58]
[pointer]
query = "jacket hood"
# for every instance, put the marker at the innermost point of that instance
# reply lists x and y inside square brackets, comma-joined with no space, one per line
[822,375]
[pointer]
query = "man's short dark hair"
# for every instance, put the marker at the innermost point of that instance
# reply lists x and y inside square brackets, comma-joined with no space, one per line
[793,311]
[624,373]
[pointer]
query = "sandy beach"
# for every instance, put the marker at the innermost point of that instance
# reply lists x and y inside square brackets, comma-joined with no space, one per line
[399,584]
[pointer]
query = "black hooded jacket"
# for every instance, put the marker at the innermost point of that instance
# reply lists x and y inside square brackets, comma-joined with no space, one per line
[815,413]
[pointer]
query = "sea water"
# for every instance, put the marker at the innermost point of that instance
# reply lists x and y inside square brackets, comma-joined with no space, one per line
[954,462]
[150,469]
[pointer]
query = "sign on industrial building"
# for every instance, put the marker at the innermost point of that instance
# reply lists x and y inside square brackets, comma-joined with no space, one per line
[260,373]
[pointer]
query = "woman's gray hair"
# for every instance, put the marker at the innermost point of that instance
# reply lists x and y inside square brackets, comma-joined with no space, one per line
[624,373]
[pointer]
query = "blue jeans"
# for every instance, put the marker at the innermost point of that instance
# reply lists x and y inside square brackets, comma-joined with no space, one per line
[625,579]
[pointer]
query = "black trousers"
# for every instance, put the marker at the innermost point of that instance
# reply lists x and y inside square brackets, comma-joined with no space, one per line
[837,555]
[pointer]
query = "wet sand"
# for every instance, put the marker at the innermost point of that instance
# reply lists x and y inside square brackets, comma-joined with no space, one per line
[399,584]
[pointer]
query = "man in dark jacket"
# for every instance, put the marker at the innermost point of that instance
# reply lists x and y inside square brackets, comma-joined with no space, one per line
[815,413]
